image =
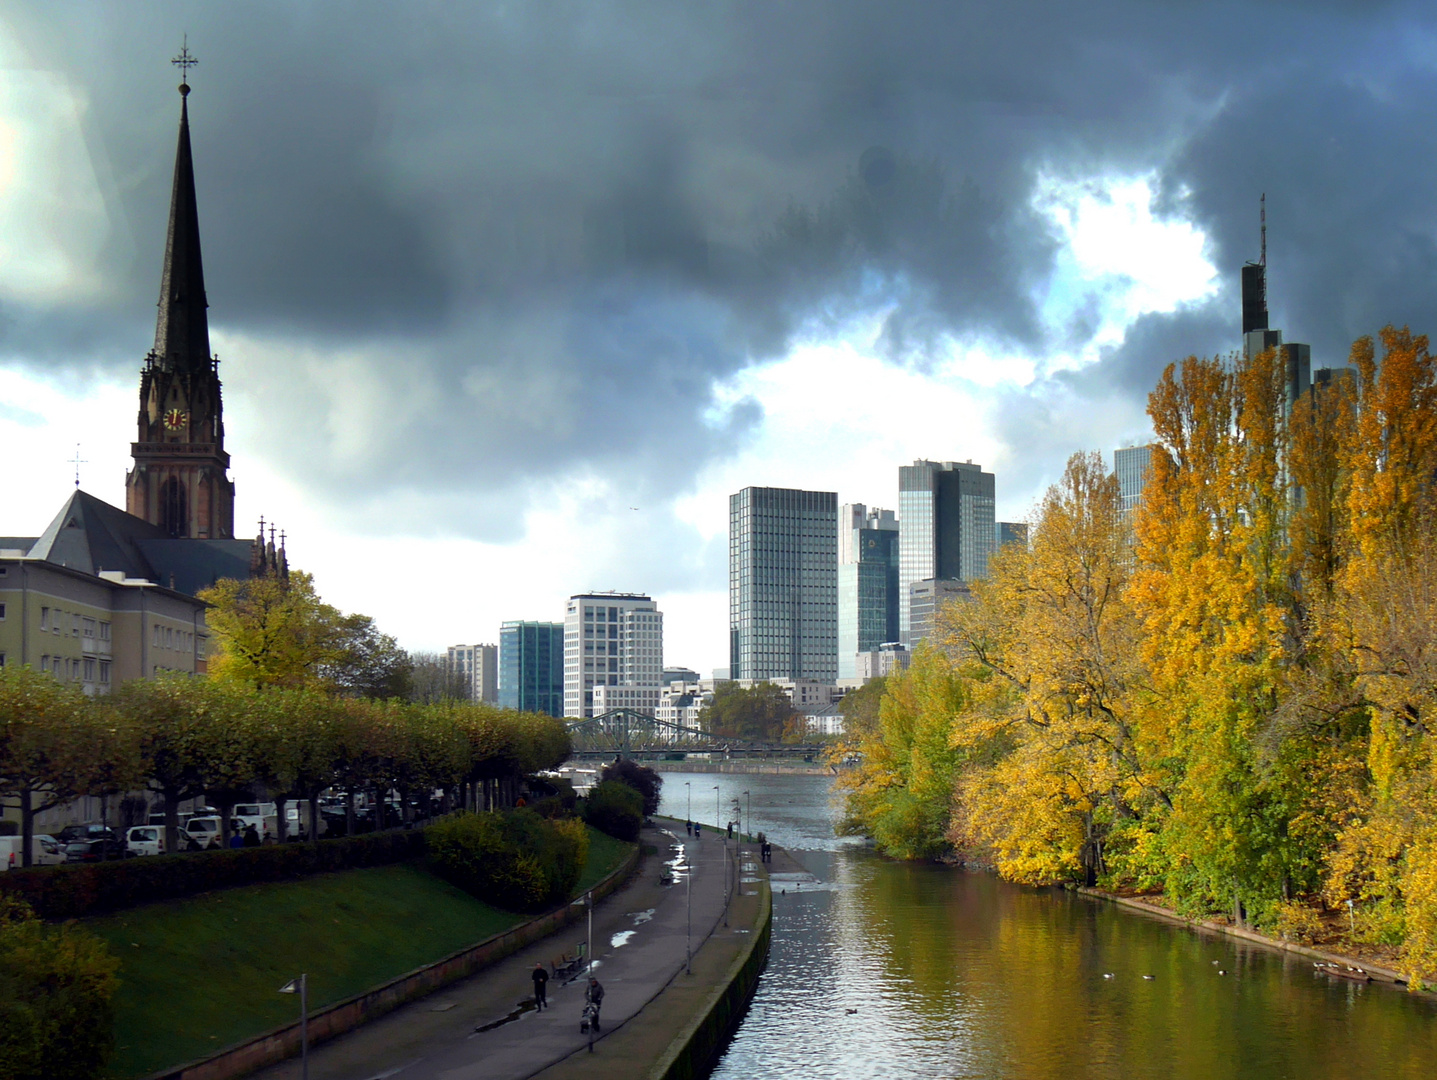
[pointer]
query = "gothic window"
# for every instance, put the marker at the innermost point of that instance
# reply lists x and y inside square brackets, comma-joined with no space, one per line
[174,516]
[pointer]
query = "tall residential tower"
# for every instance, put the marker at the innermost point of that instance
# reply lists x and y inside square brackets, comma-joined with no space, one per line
[611,640]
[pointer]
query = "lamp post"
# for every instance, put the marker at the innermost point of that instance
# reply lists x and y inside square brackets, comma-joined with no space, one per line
[689,791]
[689,926]
[718,826]
[300,986]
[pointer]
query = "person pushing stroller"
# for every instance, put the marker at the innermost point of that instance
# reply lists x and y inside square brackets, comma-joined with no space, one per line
[593,999]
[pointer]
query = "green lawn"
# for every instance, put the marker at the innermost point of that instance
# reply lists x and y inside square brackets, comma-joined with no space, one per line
[200,974]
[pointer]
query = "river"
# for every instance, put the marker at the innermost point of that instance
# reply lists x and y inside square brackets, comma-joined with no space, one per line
[885,969]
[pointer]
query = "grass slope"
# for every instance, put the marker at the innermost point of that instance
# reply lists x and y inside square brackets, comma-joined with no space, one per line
[199,974]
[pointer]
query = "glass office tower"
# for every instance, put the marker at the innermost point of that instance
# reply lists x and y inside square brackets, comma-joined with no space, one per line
[531,667]
[783,584]
[867,583]
[946,514]
[1131,464]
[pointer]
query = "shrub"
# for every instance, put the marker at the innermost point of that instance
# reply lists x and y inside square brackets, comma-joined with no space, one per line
[56,985]
[641,778]
[76,891]
[615,808]
[513,859]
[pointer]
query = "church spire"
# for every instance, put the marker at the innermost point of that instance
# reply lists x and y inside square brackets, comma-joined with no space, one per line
[182,333]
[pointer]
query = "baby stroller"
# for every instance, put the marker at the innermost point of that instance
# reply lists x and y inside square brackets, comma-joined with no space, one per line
[590,1017]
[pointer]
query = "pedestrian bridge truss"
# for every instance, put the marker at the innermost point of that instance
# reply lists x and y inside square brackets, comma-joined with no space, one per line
[628,733]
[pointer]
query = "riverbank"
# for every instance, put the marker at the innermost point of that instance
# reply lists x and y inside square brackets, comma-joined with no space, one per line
[1378,972]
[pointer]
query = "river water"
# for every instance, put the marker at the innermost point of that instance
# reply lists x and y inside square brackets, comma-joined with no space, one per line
[886,969]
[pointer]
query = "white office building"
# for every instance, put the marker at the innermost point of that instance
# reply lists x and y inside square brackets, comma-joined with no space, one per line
[611,640]
[477,666]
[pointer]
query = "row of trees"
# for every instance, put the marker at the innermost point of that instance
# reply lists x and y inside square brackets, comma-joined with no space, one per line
[1231,697]
[227,741]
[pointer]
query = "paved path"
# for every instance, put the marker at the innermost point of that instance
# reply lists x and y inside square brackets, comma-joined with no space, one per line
[639,946]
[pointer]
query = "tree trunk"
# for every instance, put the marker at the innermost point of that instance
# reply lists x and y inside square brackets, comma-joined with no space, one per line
[349,810]
[314,816]
[281,819]
[172,820]
[27,829]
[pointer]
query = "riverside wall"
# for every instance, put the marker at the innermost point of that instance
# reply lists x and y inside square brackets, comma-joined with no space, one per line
[284,1042]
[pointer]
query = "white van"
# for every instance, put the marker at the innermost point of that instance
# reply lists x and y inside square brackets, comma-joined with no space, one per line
[203,831]
[261,815]
[146,840]
[44,851]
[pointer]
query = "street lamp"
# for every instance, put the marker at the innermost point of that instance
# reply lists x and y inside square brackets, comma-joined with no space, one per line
[689,791]
[588,901]
[717,826]
[300,986]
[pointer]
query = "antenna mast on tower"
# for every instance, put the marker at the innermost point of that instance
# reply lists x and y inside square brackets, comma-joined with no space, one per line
[1262,217]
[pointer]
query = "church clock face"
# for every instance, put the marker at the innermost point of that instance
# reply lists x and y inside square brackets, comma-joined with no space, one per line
[175,419]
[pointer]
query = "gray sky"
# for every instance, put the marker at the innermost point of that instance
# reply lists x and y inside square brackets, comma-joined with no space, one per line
[484,277]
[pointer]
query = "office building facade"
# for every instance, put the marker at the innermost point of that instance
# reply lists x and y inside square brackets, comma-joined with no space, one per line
[1010,532]
[927,598]
[867,583]
[1131,465]
[946,516]
[611,640]
[783,584]
[531,667]
[477,667]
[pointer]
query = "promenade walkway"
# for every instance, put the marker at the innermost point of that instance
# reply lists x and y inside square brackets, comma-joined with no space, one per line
[485,1026]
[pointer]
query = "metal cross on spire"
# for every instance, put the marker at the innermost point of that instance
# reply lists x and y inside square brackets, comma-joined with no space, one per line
[184,62]
[77,461]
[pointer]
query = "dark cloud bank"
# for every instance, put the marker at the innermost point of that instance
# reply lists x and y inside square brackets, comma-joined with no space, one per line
[591,212]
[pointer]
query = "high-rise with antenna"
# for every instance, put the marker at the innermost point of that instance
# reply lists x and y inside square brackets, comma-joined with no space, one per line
[1254,283]
[1257,337]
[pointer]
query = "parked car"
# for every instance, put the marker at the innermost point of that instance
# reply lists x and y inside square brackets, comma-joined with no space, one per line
[101,850]
[203,832]
[92,831]
[146,840]
[44,851]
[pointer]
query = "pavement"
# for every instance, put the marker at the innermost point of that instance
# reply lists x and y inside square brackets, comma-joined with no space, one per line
[486,1025]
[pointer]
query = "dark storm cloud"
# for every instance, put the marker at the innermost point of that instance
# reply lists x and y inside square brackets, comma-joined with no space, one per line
[590,213]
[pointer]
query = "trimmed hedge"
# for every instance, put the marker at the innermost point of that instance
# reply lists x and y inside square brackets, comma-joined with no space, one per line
[615,808]
[77,891]
[513,859]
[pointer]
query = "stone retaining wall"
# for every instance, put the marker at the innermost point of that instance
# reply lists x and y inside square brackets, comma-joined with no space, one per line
[693,1050]
[284,1042]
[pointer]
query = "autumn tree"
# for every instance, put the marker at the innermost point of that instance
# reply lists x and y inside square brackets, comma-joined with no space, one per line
[1053,640]
[757,713]
[271,631]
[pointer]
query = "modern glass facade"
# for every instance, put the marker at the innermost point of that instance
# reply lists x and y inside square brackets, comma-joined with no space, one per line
[1131,465]
[531,667]
[948,528]
[867,583]
[783,584]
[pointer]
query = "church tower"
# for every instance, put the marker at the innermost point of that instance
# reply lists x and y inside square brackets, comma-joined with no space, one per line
[180,480]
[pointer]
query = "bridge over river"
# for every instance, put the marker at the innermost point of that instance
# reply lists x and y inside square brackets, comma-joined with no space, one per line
[667,745]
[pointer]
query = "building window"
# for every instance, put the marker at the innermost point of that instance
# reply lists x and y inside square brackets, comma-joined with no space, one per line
[44,663]
[89,625]
[104,631]
[89,669]
[74,626]
[105,672]
[44,618]
[155,637]
[2,611]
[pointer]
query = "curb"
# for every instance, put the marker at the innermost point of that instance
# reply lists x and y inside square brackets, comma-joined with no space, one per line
[693,1048]
[282,1042]
[1379,974]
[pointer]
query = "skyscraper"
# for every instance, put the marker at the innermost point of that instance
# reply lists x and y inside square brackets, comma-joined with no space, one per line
[478,667]
[610,639]
[531,667]
[783,584]
[867,583]
[1010,532]
[946,530]
[1131,465]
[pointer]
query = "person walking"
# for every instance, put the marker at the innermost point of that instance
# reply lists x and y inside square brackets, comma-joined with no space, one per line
[594,996]
[541,986]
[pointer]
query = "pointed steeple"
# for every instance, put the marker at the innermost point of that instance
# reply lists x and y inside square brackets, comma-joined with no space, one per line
[182,332]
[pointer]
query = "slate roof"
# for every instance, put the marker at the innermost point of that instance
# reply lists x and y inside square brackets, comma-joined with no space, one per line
[90,535]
